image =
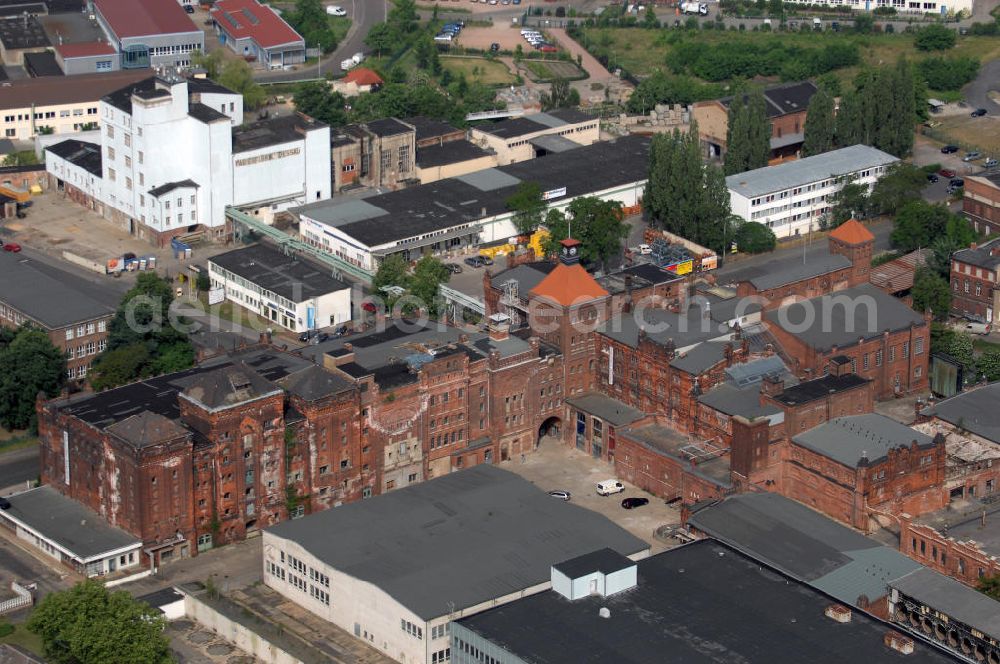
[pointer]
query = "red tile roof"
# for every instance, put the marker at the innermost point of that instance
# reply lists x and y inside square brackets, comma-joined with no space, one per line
[897,275]
[241,19]
[852,231]
[363,76]
[142,18]
[569,285]
[85,49]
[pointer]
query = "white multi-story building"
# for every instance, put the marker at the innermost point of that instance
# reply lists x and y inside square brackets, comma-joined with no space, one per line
[395,570]
[903,6]
[791,198]
[174,154]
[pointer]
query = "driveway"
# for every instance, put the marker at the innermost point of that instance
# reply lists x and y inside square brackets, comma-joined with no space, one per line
[977,93]
[17,468]
[364,14]
[555,466]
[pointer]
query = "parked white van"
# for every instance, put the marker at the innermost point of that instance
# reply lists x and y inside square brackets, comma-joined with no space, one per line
[608,487]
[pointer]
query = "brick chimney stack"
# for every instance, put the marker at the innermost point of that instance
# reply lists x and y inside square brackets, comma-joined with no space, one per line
[499,327]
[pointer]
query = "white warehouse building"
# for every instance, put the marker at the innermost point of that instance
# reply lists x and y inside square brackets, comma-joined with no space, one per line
[791,198]
[286,290]
[463,212]
[395,570]
[175,153]
[902,6]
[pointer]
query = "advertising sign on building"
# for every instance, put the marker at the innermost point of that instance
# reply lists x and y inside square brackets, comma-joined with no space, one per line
[216,295]
[553,193]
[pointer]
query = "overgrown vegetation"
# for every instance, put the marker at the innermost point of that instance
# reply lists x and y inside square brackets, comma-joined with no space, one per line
[29,364]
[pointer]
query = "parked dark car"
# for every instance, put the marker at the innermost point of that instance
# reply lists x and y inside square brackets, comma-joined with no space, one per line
[340,331]
[949,149]
[932,177]
[189,9]
[308,334]
[494,47]
[454,268]
[321,337]
[978,113]
[474,261]
[946,173]
[630,503]
[957,182]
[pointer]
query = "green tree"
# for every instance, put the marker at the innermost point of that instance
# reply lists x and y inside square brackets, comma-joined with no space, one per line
[557,225]
[935,37]
[918,224]
[598,225]
[317,100]
[238,77]
[211,62]
[990,585]
[902,182]
[392,272]
[851,202]
[562,95]
[403,18]
[930,291]
[143,318]
[776,8]
[88,624]
[426,54]
[119,366]
[428,275]
[748,135]
[312,22]
[21,158]
[958,234]
[988,365]
[754,237]
[960,346]
[528,207]
[380,38]
[819,129]
[29,364]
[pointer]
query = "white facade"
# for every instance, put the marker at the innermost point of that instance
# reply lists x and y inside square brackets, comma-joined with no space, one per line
[903,6]
[81,178]
[170,142]
[791,198]
[333,308]
[490,229]
[363,609]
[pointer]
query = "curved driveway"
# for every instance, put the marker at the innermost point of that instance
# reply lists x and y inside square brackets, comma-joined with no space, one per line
[977,93]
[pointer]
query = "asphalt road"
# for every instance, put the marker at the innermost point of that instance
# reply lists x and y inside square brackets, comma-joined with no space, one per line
[977,93]
[364,14]
[19,466]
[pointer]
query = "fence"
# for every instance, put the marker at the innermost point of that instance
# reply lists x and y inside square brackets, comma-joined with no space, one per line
[24,598]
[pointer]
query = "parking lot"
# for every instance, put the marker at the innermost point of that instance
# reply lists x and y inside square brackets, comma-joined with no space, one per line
[556,466]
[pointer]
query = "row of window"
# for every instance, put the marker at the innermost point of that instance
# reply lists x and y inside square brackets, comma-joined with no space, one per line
[45,115]
[78,372]
[84,330]
[89,348]
[441,656]
[411,629]
[475,653]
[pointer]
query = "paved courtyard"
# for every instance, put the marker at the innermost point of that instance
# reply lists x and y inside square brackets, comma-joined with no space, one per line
[555,466]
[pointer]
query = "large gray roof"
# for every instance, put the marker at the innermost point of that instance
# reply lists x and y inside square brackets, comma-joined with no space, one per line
[986,255]
[457,540]
[50,297]
[975,411]
[872,312]
[67,522]
[805,544]
[790,174]
[952,598]
[847,439]
[610,410]
[291,277]
[787,272]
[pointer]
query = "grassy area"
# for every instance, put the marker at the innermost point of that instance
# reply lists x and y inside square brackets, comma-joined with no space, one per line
[546,70]
[487,72]
[11,444]
[967,132]
[980,345]
[642,52]
[340,25]
[22,637]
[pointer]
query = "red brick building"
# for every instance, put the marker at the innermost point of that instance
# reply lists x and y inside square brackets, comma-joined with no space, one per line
[975,274]
[846,265]
[981,203]
[881,337]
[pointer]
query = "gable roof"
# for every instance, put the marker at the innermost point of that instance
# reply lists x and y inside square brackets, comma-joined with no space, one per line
[858,440]
[228,386]
[457,540]
[144,18]
[85,49]
[147,428]
[852,231]
[242,19]
[569,285]
[314,383]
[362,76]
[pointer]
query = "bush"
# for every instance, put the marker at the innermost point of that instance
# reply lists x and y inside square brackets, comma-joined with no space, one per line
[948,73]
[754,238]
[935,37]
[6,629]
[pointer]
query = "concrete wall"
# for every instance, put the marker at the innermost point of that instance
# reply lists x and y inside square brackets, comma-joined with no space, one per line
[89,64]
[238,634]
[435,173]
[304,166]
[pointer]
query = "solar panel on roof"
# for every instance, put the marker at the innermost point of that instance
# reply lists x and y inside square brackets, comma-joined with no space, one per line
[250,16]
[229,19]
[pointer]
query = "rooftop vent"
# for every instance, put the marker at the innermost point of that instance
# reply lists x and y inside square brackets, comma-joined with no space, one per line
[898,642]
[838,612]
[604,612]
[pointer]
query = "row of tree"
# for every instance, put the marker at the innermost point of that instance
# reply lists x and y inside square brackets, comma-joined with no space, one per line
[880,110]
[686,196]
[748,133]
